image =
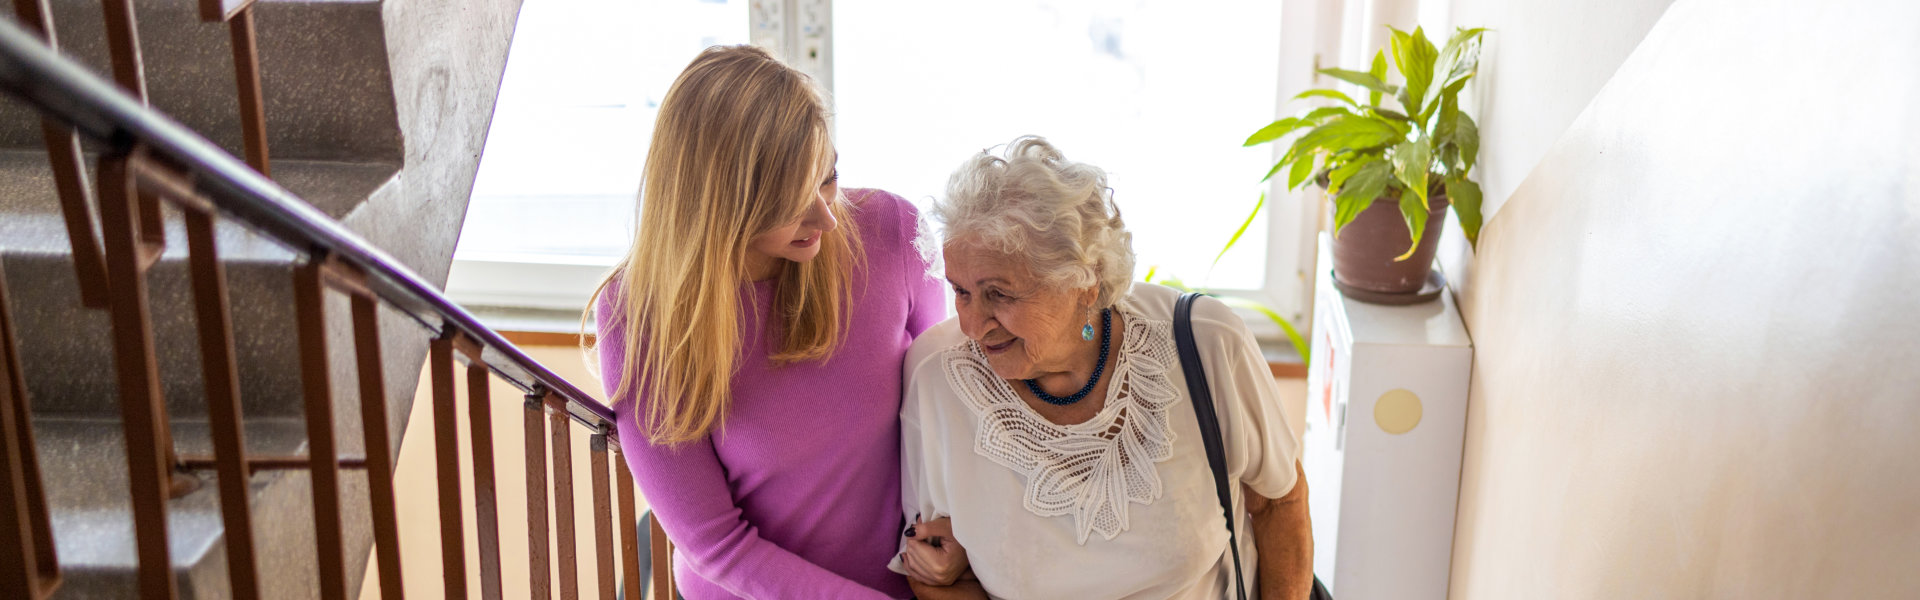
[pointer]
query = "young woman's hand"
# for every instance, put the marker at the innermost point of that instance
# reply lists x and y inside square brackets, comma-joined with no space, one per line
[932,556]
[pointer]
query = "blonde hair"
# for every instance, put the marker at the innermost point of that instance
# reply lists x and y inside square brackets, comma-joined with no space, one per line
[1055,215]
[740,147]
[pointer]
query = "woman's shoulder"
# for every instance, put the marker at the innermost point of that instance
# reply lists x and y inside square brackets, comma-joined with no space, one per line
[1211,317]
[925,352]
[884,217]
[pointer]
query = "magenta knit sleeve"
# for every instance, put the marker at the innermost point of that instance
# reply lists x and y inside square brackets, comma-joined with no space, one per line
[926,294]
[686,487]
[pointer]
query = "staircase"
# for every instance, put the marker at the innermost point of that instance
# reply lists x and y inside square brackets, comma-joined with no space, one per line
[375,113]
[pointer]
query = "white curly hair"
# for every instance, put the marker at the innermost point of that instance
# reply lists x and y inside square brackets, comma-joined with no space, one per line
[1055,214]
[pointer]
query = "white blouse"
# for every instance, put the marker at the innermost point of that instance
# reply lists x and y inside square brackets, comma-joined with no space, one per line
[1121,506]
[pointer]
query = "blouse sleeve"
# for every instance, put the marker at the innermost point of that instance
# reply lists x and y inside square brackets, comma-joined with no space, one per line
[1256,425]
[922,491]
[686,486]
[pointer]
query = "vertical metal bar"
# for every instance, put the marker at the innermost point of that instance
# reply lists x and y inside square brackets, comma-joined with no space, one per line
[153,231]
[629,537]
[540,581]
[446,451]
[142,407]
[323,459]
[486,509]
[29,567]
[253,109]
[373,415]
[69,176]
[663,587]
[602,515]
[559,428]
[123,44]
[222,382]
[63,154]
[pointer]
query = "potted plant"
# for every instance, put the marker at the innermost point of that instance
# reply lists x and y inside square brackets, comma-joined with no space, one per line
[1391,173]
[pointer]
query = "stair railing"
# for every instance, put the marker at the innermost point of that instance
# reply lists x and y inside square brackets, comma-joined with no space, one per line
[151,159]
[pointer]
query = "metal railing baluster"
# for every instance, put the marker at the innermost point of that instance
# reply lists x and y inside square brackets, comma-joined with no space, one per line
[220,373]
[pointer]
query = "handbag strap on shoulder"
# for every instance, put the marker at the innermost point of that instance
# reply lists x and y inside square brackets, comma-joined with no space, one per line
[1202,397]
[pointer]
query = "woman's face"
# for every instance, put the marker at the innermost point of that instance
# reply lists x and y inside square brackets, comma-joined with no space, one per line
[798,241]
[1027,329]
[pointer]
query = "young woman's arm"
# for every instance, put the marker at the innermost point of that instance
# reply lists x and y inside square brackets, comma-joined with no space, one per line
[687,489]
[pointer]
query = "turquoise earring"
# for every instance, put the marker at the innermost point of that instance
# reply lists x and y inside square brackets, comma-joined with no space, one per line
[1086,332]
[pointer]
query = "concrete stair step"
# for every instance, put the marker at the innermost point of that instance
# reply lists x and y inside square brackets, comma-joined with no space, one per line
[84,464]
[323,63]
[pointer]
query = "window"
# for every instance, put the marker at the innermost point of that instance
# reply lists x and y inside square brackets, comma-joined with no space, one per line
[1158,92]
[553,203]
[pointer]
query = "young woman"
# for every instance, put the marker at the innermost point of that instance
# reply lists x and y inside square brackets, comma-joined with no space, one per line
[751,341]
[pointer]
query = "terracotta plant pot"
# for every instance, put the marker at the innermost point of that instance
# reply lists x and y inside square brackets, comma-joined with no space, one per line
[1364,250]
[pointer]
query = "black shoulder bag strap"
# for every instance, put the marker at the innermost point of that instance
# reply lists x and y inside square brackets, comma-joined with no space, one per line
[1202,398]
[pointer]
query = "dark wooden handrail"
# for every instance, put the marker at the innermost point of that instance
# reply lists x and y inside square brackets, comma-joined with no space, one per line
[68,91]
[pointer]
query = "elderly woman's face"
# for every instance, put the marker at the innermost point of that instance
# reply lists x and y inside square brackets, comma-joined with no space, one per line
[1027,329]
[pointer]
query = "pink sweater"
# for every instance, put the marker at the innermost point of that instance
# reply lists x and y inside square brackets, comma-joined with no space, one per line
[798,495]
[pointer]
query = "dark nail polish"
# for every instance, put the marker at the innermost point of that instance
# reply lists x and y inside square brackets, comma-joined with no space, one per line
[909,531]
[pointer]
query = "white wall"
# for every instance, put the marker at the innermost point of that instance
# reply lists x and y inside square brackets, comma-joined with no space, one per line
[1696,370]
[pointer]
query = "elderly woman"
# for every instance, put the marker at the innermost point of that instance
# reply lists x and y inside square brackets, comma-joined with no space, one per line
[1050,421]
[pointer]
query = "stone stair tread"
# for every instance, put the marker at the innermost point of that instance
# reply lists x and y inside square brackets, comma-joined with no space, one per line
[83,462]
[31,220]
[324,73]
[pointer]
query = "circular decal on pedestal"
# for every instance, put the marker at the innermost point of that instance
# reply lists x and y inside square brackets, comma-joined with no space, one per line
[1397,411]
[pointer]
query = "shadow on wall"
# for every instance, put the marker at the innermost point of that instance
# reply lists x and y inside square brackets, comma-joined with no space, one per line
[1694,372]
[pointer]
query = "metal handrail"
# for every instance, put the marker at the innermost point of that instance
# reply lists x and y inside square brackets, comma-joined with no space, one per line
[62,87]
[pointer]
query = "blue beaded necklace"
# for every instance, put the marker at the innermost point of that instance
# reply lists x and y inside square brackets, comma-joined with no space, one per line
[1106,328]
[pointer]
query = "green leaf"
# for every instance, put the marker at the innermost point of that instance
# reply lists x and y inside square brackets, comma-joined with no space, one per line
[1338,176]
[1466,136]
[1150,270]
[1400,128]
[1416,216]
[1455,65]
[1379,72]
[1334,94]
[1410,160]
[1365,80]
[1293,334]
[1351,133]
[1275,130]
[1414,55]
[1461,56]
[1345,208]
[1359,191]
[1391,114]
[1302,169]
[1243,229]
[1315,115]
[1465,195]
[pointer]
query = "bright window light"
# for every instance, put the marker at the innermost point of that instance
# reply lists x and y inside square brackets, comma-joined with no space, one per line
[1160,93]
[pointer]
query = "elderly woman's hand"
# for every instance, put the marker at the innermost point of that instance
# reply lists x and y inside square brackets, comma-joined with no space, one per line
[932,556]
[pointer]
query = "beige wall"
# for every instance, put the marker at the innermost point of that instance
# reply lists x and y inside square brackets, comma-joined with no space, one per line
[418,493]
[1696,371]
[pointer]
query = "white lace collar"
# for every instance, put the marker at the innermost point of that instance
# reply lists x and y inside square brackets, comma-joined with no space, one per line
[1091,470]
